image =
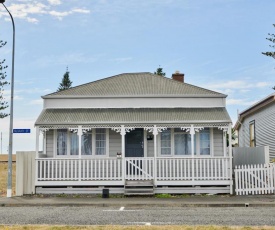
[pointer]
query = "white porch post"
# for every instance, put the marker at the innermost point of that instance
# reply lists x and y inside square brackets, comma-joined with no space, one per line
[155,133]
[37,143]
[230,156]
[122,133]
[192,133]
[36,155]
[79,133]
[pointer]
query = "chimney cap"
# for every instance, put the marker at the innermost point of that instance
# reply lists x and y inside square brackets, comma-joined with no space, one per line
[177,72]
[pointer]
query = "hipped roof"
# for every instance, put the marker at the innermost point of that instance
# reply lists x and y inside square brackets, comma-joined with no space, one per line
[135,84]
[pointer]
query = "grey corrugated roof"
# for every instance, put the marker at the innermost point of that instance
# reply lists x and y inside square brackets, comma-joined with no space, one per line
[135,84]
[131,115]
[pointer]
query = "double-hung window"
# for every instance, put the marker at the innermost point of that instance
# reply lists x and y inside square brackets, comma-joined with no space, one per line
[178,142]
[67,143]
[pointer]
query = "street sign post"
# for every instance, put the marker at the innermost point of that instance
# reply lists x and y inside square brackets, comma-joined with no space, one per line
[21,131]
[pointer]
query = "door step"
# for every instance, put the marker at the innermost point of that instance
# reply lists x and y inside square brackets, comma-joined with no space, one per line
[139,187]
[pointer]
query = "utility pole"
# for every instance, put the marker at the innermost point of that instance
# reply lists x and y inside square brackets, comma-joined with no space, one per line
[9,187]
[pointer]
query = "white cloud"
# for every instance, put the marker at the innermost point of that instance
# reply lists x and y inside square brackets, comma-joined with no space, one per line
[30,10]
[83,11]
[54,2]
[32,20]
[59,15]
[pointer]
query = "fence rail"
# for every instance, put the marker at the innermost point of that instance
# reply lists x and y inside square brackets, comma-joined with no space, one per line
[255,179]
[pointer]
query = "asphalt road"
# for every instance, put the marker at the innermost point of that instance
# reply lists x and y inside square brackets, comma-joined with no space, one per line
[86,215]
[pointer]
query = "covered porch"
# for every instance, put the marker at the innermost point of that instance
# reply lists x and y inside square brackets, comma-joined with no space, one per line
[176,157]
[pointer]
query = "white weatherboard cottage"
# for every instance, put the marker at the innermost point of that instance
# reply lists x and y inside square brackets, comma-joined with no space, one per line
[134,133]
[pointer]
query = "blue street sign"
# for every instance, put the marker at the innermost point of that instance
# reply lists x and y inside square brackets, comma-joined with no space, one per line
[21,131]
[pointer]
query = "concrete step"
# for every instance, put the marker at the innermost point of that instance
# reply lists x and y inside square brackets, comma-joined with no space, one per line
[139,187]
[139,183]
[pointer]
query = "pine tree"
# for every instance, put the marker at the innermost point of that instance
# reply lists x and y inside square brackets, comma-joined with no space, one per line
[159,72]
[3,82]
[66,82]
[271,53]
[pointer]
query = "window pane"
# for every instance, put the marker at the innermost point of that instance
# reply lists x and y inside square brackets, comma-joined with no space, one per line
[165,151]
[74,144]
[100,142]
[205,142]
[165,139]
[252,134]
[183,144]
[61,142]
[86,144]
[205,151]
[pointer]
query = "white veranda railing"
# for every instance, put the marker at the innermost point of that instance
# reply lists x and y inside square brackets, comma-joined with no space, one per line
[135,168]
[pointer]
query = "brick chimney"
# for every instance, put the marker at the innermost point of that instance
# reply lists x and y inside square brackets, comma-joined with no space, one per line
[178,76]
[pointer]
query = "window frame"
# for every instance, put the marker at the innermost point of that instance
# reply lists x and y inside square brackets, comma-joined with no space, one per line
[197,146]
[93,155]
[252,141]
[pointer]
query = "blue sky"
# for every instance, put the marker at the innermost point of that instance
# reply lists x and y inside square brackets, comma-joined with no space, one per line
[217,44]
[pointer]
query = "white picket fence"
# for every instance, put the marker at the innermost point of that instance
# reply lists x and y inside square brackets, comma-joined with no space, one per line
[255,179]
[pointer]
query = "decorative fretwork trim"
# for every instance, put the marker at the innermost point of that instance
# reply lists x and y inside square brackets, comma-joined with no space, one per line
[224,128]
[145,126]
[198,129]
[43,130]
[186,129]
[74,130]
[121,131]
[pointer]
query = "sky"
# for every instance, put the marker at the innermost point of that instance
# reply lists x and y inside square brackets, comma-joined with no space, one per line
[217,44]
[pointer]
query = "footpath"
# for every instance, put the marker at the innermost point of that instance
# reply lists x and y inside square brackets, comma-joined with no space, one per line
[95,201]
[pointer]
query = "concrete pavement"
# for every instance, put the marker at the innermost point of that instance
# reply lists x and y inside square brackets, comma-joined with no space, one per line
[188,201]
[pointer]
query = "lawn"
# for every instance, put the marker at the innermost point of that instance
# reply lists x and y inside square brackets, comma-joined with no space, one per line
[4,174]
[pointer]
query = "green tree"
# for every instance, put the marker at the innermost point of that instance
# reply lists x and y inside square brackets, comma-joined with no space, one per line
[3,82]
[271,38]
[233,137]
[160,72]
[66,83]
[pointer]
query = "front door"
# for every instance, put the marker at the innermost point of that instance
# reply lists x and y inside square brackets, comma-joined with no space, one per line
[134,148]
[134,143]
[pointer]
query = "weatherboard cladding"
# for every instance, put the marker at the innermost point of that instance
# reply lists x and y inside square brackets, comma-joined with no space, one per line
[135,84]
[131,115]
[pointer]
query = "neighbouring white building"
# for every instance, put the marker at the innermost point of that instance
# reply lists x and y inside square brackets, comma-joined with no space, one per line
[256,125]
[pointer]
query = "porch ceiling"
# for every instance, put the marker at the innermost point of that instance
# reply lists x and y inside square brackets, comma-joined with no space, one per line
[132,116]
